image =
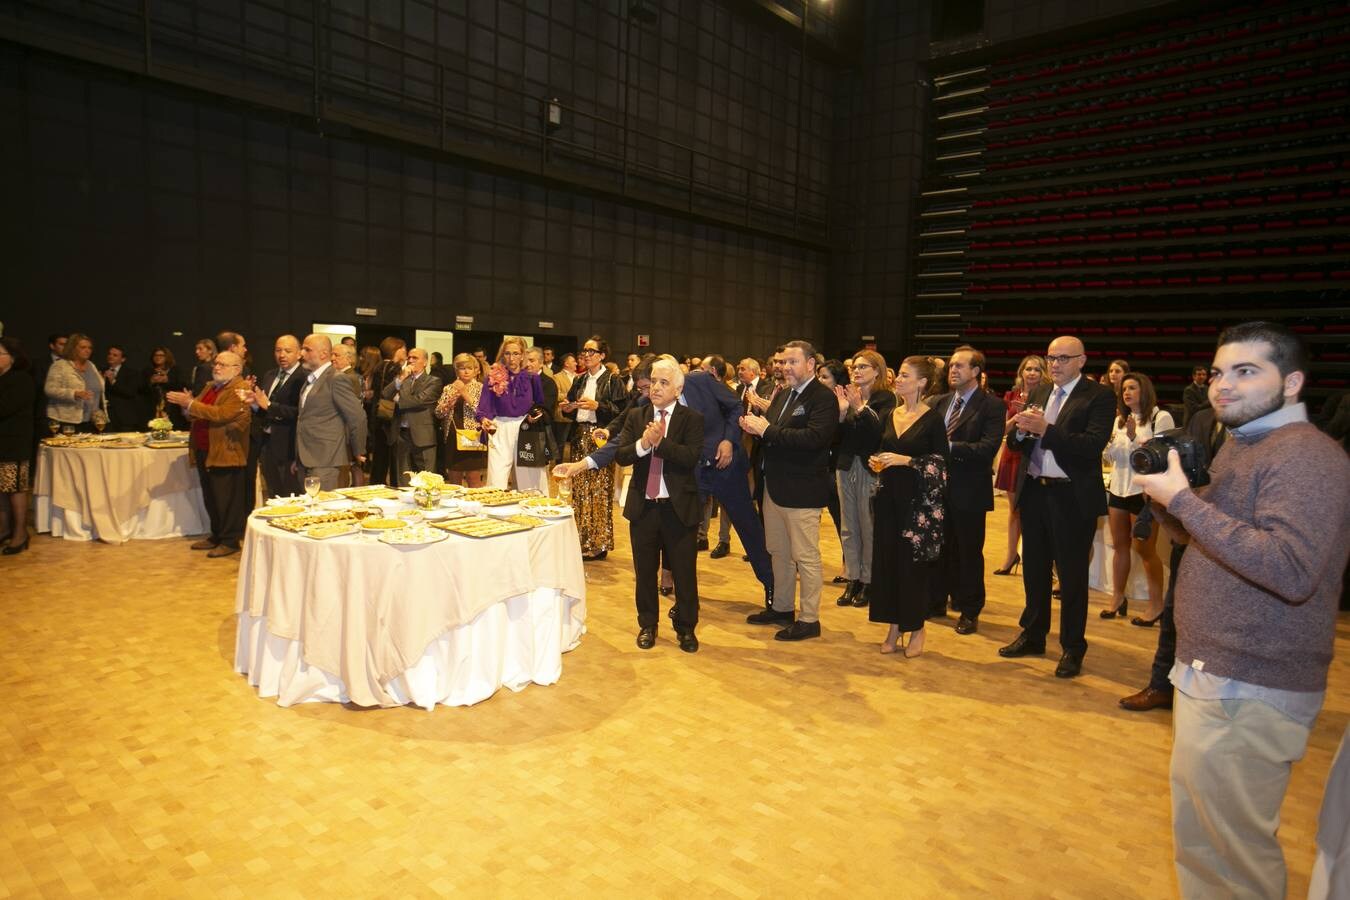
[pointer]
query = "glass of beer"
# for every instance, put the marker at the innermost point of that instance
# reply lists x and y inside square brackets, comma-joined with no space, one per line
[875,464]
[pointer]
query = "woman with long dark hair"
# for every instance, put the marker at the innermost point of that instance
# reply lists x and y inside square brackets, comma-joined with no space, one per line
[592,403]
[1029,374]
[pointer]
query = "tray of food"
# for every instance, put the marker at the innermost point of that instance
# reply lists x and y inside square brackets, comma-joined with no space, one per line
[494,496]
[482,527]
[522,519]
[369,492]
[296,524]
[280,510]
[381,525]
[329,530]
[548,507]
[412,536]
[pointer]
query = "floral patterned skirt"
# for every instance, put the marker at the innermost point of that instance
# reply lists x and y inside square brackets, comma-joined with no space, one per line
[592,497]
[14,477]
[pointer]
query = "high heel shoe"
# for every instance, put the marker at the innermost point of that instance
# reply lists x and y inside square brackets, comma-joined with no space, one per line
[10,551]
[667,590]
[915,638]
[889,646]
[1122,610]
[1011,567]
[1145,623]
[850,594]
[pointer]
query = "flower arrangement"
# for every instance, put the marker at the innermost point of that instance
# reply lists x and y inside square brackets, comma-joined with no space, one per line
[160,423]
[498,379]
[425,480]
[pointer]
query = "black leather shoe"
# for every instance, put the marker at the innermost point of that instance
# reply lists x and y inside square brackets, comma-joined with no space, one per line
[851,591]
[702,544]
[720,551]
[799,631]
[1023,646]
[861,599]
[839,579]
[771,617]
[1148,698]
[688,643]
[1070,665]
[745,557]
[967,625]
[646,638]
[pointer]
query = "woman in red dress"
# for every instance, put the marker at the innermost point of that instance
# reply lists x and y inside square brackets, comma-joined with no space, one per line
[1029,374]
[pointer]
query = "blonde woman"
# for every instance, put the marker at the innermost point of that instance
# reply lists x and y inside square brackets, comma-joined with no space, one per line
[457,411]
[74,387]
[510,393]
[1030,371]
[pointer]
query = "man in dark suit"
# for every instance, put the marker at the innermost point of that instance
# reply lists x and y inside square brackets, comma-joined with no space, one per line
[412,431]
[795,455]
[1060,495]
[123,391]
[661,441]
[974,422]
[276,403]
[204,351]
[330,430]
[723,465]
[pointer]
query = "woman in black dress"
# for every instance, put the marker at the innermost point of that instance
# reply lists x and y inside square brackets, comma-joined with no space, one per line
[907,514]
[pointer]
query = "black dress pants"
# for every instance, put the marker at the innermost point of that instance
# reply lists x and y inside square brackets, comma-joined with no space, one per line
[275,463]
[1166,653]
[659,534]
[960,574]
[1055,531]
[225,495]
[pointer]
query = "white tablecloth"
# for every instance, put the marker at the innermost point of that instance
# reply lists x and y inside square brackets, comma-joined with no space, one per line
[117,495]
[351,619]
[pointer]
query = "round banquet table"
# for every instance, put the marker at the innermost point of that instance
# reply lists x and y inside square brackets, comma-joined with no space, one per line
[88,493]
[350,619]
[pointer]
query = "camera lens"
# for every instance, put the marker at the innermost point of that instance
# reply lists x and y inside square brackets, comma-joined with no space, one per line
[1146,461]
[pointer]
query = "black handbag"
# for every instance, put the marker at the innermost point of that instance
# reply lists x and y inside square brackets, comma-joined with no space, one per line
[536,445]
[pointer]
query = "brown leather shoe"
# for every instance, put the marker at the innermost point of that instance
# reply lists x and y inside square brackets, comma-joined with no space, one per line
[204,544]
[222,550]
[1148,698]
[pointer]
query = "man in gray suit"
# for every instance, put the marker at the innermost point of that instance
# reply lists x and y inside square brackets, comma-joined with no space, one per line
[330,430]
[411,432]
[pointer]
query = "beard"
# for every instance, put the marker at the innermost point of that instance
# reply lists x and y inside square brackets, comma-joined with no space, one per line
[1240,414]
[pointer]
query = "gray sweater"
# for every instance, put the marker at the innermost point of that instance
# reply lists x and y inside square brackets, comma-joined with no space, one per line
[1260,582]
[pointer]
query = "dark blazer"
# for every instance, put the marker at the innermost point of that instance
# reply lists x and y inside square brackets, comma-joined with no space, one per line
[764,387]
[679,451]
[974,444]
[609,395]
[720,409]
[795,448]
[860,435]
[1077,438]
[17,399]
[125,410]
[283,408]
[200,377]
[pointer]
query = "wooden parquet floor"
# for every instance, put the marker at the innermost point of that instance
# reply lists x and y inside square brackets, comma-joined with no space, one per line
[136,763]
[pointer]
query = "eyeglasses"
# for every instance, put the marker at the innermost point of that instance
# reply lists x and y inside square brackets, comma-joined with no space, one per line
[587,351]
[1061,360]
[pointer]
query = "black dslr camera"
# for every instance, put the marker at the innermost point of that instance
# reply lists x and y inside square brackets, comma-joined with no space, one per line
[1151,457]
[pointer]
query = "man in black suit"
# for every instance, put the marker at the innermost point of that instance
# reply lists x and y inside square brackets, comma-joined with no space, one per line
[795,438]
[205,352]
[974,422]
[662,441]
[122,387]
[276,403]
[1060,495]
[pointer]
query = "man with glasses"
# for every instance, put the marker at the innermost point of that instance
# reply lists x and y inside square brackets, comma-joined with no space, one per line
[1061,434]
[219,445]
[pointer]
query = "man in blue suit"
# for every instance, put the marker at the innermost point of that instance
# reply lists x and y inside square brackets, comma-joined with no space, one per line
[723,466]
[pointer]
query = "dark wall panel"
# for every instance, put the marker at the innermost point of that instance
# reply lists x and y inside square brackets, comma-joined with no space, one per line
[179,214]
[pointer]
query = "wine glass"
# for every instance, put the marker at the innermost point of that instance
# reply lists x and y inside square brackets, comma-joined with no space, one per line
[53,426]
[99,425]
[601,439]
[311,487]
[67,429]
[564,488]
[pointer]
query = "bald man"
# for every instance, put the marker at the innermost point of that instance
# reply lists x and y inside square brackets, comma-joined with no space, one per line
[330,429]
[276,402]
[1061,434]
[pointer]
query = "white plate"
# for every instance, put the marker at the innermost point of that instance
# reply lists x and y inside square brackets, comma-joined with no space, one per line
[549,512]
[342,503]
[413,537]
[351,529]
[298,499]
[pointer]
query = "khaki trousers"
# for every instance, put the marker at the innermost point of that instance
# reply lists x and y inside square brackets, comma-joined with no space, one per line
[1231,761]
[793,540]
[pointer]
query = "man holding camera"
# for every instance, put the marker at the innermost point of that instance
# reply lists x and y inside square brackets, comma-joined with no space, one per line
[1255,611]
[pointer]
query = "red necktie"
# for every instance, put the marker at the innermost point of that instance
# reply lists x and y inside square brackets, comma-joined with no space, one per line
[654,473]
